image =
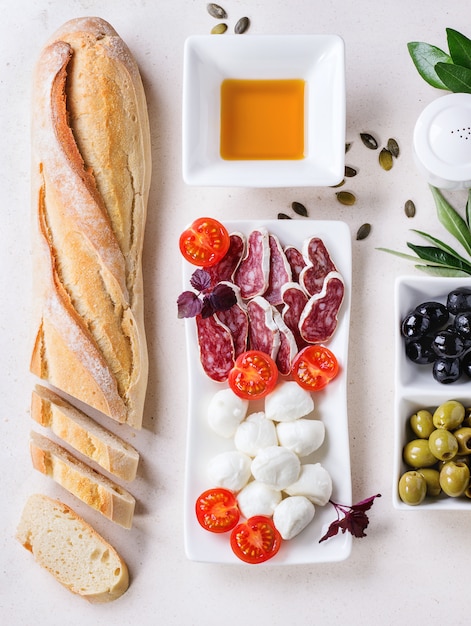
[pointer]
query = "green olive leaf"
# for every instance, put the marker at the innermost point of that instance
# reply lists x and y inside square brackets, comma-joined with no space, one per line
[460,48]
[409,257]
[425,57]
[441,271]
[452,220]
[439,257]
[468,210]
[443,246]
[456,77]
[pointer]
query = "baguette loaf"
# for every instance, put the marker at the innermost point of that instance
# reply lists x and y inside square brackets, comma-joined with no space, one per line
[84,434]
[82,481]
[71,550]
[91,175]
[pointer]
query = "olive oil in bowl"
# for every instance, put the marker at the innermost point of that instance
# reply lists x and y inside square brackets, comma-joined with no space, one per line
[262,119]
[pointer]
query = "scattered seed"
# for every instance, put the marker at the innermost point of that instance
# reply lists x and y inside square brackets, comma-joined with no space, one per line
[409,208]
[350,172]
[219,29]
[346,197]
[242,25]
[363,231]
[369,141]
[347,147]
[283,216]
[299,208]
[385,159]
[340,184]
[216,11]
[393,147]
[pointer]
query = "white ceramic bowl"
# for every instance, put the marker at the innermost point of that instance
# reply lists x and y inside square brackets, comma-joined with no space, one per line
[319,60]
[415,387]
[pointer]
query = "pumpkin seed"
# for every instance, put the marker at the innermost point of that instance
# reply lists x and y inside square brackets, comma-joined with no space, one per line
[299,208]
[363,231]
[242,25]
[369,141]
[346,197]
[393,147]
[219,29]
[350,172]
[385,159]
[347,147]
[409,208]
[283,216]
[340,184]
[216,11]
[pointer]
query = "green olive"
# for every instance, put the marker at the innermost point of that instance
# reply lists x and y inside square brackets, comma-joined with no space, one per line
[432,478]
[449,415]
[467,417]
[417,453]
[443,444]
[454,478]
[463,437]
[422,423]
[412,488]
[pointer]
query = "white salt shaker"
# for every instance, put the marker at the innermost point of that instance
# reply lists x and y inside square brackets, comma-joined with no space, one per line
[442,142]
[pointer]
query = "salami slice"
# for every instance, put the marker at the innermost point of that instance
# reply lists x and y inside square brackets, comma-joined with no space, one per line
[216,347]
[252,274]
[296,262]
[224,270]
[236,320]
[318,265]
[280,271]
[264,334]
[294,299]
[288,348]
[319,318]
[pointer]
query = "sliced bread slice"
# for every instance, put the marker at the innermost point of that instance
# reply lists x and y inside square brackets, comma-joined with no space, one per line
[82,481]
[83,434]
[71,550]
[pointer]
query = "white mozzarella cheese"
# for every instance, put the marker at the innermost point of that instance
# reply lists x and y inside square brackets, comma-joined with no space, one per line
[292,515]
[287,402]
[303,436]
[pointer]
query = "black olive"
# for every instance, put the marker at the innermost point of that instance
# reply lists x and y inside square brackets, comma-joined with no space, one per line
[447,371]
[462,324]
[466,364]
[459,300]
[415,325]
[420,350]
[436,312]
[448,344]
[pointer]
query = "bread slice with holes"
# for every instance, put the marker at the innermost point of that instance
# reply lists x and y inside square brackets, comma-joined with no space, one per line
[71,550]
[93,488]
[83,434]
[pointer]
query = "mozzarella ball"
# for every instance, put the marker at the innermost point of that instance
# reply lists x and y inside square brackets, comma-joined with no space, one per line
[230,470]
[258,499]
[292,515]
[276,466]
[288,402]
[314,482]
[302,436]
[225,412]
[255,433]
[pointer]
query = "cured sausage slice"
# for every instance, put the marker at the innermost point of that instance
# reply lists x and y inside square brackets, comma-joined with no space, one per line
[296,262]
[236,320]
[280,271]
[252,274]
[216,347]
[264,334]
[224,270]
[294,299]
[288,347]
[318,265]
[319,318]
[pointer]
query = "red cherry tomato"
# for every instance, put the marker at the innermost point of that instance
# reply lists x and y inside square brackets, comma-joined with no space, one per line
[217,510]
[205,242]
[255,540]
[314,367]
[253,376]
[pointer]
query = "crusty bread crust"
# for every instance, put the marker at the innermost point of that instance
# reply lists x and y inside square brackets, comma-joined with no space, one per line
[91,176]
[83,434]
[71,550]
[93,488]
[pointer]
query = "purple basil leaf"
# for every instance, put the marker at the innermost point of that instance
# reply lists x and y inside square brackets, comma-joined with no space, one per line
[222,297]
[200,280]
[355,522]
[331,532]
[189,305]
[207,308]
[366,504]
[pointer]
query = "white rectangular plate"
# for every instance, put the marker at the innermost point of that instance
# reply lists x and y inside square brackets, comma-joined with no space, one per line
[330,406]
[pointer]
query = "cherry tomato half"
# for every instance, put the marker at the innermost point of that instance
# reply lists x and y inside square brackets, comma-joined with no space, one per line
[217,510]
[205,242]
[253,376]
[314,367]
[256,540]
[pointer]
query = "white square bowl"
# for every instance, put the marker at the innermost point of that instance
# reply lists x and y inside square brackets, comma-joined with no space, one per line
[415,387]
[319,60]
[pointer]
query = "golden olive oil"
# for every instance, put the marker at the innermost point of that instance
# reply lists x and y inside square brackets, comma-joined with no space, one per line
[262,119]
